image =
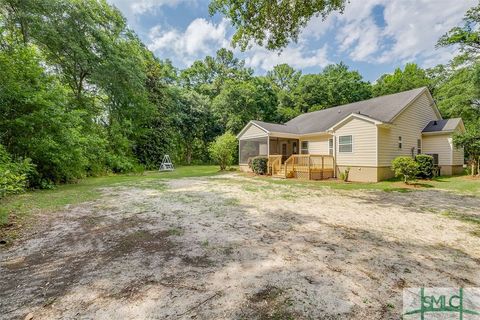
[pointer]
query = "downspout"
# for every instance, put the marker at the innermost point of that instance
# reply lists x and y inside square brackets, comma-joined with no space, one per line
[334,137]
[239,155]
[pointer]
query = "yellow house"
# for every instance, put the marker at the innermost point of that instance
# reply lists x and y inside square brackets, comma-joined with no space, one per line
[362,138]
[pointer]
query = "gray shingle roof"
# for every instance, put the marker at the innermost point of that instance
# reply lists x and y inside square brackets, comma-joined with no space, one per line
[446,125]
[383,108]
[275,127]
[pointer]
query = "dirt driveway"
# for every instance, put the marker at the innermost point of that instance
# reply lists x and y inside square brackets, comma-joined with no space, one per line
[230,247]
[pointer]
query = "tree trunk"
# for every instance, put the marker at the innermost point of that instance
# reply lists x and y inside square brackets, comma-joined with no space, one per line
[478,166]
[188,155]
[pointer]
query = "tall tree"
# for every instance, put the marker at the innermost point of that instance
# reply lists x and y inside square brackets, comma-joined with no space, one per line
[208,76]
[336,85]
[191,121]
[411,77]
[459,94]
[271,23]
[242,101]
[284,81]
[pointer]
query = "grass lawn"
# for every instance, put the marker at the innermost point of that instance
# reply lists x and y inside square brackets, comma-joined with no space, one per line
[86,190]
[234,246]
[461,184]
[89,189]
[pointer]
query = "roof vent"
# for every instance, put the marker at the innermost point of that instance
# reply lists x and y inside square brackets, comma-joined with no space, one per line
[435,122]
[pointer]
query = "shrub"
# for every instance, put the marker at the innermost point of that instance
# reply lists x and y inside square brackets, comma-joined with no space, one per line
[123,164]
[405,167]
[14,176]
[344,174]
[222,150]
[259,165]
[425,166]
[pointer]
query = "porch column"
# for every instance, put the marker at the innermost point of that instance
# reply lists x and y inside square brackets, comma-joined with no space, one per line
[268,145]
[334,155]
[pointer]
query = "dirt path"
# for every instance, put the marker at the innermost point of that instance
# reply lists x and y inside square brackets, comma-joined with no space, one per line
[230,247]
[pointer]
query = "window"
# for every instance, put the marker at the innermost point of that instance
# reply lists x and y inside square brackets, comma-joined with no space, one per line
[419,146]
[294,147]
[345,144]
[304,149]
[399,142]
[330,147]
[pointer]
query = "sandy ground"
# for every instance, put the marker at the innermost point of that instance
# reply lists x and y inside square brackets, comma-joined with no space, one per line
[230,247]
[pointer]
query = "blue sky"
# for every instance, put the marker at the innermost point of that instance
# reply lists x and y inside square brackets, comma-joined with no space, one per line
[371,36]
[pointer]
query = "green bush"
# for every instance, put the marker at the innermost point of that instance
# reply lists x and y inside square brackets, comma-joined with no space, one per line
[14,176]
[425,166]
[344,174]
[259,165]
[123,164]
[405,168]
[222,150]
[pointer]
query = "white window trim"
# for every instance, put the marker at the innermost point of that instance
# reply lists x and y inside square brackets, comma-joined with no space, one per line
[302,149]
[330,147]
[351,143]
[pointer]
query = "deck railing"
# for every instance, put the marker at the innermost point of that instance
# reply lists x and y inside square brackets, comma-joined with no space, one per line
[274,164]
[309,166]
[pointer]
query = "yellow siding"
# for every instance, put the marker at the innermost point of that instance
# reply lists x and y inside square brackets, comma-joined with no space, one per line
[440,144]
[253,132]
[317,144]
[364,137]
[408,125]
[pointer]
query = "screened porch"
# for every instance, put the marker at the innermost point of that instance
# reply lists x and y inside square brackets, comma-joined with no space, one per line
[267,146]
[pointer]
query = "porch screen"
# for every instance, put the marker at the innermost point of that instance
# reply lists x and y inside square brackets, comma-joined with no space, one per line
[253,147]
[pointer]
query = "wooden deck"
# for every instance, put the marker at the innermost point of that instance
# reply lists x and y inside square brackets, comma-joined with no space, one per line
[302,166]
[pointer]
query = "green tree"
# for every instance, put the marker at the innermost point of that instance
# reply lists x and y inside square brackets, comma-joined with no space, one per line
[284,80]
[208,76]
[411,77]
[470,142]
[336,85]
[271,23]
[284,77]
[223,149]
[457,95]
[466,36]
[37,122]
[242,101]
[191,117]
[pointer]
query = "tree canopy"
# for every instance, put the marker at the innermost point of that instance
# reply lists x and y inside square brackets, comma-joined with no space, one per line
[81,95]
[272,24]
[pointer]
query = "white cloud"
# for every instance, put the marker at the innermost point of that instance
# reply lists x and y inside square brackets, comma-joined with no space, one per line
[412,28]
[416,26]
[296,56]
[137,7]
[201,38]
[410,31]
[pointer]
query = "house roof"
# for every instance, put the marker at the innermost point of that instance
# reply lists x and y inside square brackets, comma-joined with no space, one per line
[445,125]
[275,127]
[382,109]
